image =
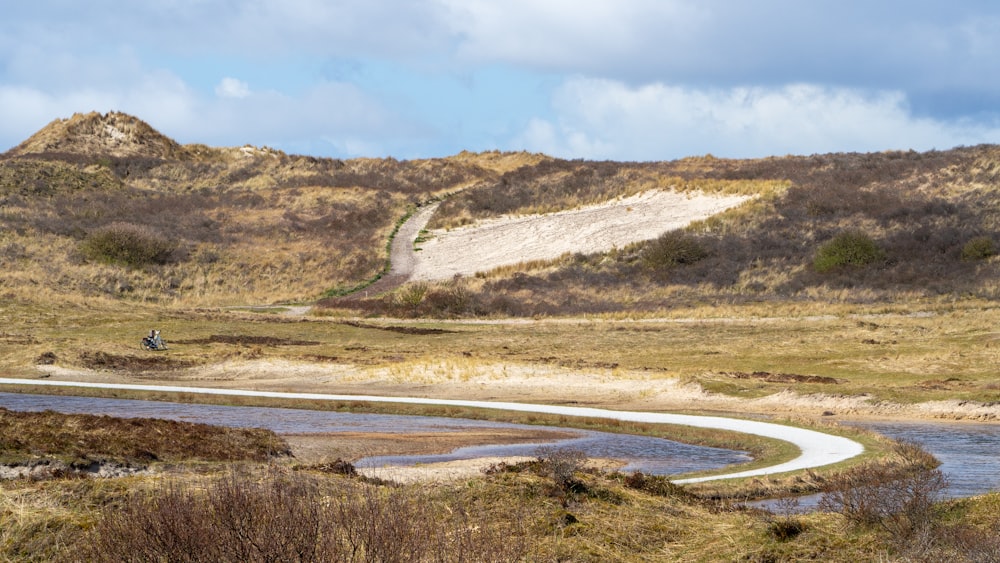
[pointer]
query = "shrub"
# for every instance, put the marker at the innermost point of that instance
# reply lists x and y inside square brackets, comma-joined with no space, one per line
[411,296]
[671,249]
[851,248]
[979,248]
[562,464]
[294,517]
[127,244]
[896,498]
[658,485]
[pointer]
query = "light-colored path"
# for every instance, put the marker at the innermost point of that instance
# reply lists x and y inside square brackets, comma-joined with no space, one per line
[402,257]
[817,448]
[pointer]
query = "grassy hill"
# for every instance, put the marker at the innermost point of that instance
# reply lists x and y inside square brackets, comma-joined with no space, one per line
[249,225]
[242,224]
[930,223]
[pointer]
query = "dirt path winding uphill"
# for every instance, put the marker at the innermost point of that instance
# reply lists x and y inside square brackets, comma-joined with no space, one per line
[402,257]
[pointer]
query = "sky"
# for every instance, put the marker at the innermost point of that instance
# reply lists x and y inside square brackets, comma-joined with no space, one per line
[627,80]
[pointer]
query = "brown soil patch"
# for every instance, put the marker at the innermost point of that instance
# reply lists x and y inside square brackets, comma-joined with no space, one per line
[943,384]
[247,340]
[416,330]
[783,377]
[105,361]
[27,436]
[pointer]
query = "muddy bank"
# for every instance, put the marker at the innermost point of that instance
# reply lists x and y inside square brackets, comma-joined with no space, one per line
[41,470]
[351,446]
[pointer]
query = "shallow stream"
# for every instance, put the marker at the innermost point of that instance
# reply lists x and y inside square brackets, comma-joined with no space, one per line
[641,453]
[969,453]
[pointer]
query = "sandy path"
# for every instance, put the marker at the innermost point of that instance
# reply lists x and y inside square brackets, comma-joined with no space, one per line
[817,448]
[402,258]
[511,240]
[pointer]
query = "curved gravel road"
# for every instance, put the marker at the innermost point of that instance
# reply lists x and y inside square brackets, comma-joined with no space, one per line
[817,448]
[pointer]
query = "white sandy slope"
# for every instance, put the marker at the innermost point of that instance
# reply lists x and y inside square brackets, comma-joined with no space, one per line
[817,448]
[510,240]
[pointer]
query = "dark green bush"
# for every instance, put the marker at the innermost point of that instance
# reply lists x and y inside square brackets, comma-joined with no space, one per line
[671,249]
[979,248]
[127,244]
[852,248]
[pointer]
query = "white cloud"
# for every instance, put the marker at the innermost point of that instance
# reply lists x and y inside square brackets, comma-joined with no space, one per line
[569,33]
[325,115]
[605,119]
[232,88]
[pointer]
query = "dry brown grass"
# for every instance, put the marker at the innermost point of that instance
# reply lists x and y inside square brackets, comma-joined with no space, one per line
[30,436]
[597,518]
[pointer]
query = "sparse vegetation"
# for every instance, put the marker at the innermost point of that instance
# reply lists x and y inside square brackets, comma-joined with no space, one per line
[284,517]
[898,498]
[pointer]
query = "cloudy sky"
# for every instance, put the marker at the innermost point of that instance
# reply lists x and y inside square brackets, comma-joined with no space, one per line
[594,79]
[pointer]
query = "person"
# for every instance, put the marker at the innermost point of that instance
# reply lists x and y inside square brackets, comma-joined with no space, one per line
[153,341]
[157,341]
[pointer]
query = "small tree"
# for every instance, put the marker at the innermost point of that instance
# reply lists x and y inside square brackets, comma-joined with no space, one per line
[848,249]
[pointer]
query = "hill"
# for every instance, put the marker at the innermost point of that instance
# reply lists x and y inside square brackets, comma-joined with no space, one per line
[105,206]
[112,134]
[929,223]
[243,224]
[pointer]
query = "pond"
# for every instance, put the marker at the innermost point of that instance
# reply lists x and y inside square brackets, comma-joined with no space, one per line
[969,453]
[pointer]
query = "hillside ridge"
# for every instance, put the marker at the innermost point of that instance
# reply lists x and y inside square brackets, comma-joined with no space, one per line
[111,134]
[249,225]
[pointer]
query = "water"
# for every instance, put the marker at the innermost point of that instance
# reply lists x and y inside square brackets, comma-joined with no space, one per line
[655,456]
[969,455]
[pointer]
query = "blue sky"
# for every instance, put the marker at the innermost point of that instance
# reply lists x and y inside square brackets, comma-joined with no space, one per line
[594,79]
